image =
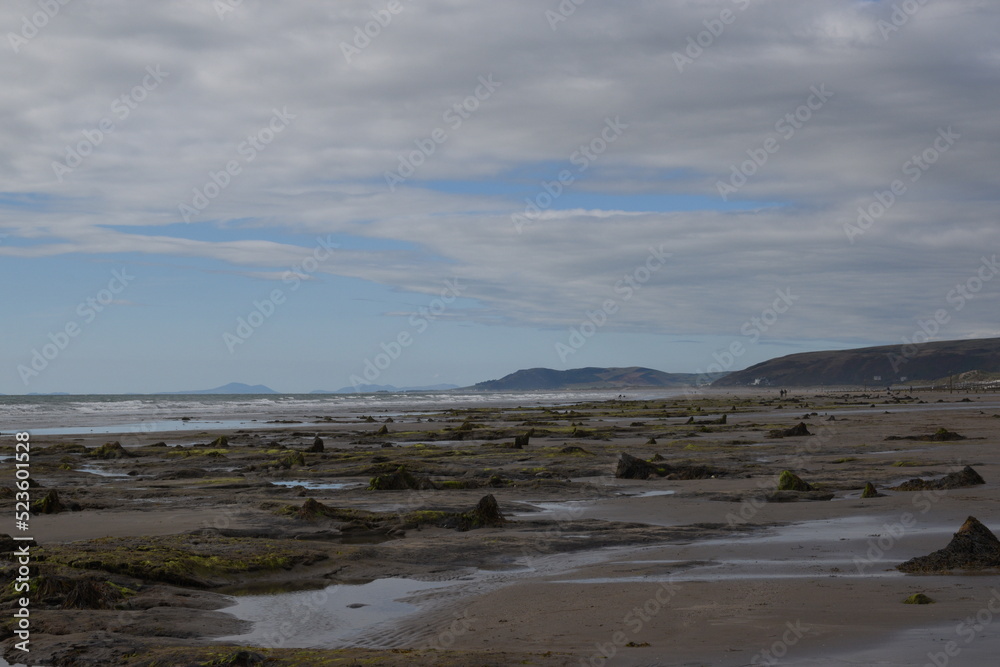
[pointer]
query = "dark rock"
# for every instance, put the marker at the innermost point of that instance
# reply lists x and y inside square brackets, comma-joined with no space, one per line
[796,496]
[521,441]
[220,442]
[940,435]
[110,450]
[50,504]
[312,510]
[485,514]
[630,467]
[961,479]
[973,547]
[383,431]
[400,480]
[317,446]
[793,432]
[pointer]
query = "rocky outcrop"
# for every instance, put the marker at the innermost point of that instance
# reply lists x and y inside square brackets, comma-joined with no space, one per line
[793,432]
[400,480]
[631,467]
[961,479]
[789,481]
[974,547]
[111,450]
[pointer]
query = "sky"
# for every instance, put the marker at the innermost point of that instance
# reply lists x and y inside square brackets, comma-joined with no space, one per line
[317,194]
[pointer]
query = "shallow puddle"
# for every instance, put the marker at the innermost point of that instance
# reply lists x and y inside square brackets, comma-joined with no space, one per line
[332,617]
[94,470]
[316,485]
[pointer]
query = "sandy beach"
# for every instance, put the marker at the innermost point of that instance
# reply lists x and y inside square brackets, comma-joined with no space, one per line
[184,548]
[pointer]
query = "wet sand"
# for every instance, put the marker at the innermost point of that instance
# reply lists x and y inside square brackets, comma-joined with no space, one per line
[588,569]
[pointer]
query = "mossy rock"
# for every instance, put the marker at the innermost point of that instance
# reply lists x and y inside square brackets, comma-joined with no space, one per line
[50,504]
[237,659]
[292,459]
[312,510]
[789,481]
[221,441]
[111,450]
[383,431]
[183,560]
[485,514]
[870,491]
[83,593]
[401,480]
[918,598]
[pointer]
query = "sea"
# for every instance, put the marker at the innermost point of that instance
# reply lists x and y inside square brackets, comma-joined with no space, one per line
[148,413]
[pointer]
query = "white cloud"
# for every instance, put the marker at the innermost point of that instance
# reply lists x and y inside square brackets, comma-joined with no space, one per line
[324,172]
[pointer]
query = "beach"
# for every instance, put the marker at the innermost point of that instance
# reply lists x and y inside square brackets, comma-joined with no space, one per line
[189,542]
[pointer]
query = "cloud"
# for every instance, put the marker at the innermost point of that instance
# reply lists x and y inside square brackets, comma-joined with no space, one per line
[324,172]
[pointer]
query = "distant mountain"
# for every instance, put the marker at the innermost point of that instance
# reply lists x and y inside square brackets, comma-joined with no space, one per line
[231,388]
[372,388]
[591,378]
[878,366]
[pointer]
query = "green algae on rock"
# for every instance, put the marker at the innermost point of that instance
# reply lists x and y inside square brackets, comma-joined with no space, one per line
[789,481]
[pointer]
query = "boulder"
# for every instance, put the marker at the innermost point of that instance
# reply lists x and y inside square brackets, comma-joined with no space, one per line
[630,467]
[521,441]
[961,479]
[973,547]
[793,432]
[871,492]
[485,514]
[317,446]
[400,480]
[50,504]
[789,481]
[110,450]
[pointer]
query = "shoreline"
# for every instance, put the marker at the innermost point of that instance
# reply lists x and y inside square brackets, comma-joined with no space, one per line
[733,565]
